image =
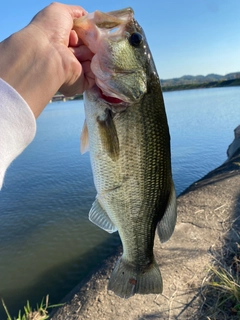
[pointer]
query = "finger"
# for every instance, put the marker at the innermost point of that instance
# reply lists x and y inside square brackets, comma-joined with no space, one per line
[88,74]
[83,82]
[87,78]
[76,11]
[73,39]
[82,53]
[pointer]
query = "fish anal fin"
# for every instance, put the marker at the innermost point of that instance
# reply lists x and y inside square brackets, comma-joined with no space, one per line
[108,134]
[125,280]
[84,139]
[99,216]
[167,224]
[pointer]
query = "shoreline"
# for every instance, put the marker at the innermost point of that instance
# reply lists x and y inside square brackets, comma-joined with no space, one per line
[204,85]
[208,212]
[165,88]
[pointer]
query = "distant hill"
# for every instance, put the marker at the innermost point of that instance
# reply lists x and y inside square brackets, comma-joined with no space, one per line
[194,82]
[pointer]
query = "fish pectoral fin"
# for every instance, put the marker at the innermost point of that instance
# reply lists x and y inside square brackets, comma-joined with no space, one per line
[84,139]
[167,224]
[99,216]
[108,135]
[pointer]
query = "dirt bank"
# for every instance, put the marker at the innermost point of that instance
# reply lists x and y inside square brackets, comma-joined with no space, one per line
[208,213]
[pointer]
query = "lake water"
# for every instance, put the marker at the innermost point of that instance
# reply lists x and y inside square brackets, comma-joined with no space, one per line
[47,244]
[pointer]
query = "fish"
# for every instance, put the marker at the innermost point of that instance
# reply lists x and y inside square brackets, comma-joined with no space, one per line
[126,132]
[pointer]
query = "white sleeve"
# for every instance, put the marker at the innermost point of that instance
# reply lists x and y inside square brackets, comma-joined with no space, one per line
[17,126]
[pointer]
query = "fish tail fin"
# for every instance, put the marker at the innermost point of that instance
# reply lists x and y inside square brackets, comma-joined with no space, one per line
[125,280]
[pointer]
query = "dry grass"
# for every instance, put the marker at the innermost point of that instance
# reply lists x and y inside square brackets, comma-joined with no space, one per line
[221,291]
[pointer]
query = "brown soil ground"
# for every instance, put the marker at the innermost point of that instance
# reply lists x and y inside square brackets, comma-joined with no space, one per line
[208,227]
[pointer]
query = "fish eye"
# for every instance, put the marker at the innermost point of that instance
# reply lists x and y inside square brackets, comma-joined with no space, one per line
[136,39]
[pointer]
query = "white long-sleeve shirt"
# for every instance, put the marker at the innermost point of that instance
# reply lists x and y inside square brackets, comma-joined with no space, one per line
[17,126]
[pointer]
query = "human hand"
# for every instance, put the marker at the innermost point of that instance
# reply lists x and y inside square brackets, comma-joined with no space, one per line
[47,56]
[56,22]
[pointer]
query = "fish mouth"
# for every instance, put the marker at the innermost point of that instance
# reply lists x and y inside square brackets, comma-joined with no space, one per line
[109,98]
[113,103]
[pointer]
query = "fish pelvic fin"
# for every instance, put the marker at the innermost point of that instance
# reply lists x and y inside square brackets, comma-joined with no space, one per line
[84,139]
[167,224]
[125,280]
[99,216]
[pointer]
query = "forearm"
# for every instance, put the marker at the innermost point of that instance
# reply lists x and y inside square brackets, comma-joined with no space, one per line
[17,126]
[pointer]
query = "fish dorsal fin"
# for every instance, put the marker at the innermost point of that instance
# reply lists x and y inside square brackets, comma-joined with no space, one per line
[108,134]
[166,226]
[99,216]
[84,139]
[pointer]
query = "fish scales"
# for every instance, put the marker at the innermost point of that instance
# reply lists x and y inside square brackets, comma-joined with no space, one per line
[129,143]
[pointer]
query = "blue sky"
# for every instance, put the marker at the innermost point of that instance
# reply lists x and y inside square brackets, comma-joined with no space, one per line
[185,36]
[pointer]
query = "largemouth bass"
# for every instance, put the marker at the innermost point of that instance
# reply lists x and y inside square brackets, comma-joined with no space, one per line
[127,133]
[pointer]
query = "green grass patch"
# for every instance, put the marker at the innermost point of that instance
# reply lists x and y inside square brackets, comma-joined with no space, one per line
[40,313]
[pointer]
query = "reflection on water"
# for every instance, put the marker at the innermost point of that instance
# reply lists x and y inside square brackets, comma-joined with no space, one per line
[201,124]
[47,244]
